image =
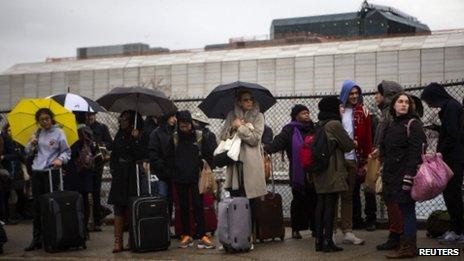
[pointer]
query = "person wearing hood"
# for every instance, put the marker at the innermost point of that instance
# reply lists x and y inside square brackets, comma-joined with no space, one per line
[357,123]
[332,181]
[186,151]
[400,152]
[50,150]
[386,90]
[291,140]
[157,147]
[450,145]
[200,122]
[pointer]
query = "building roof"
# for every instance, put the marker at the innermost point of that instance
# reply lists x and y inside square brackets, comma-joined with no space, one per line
[438,39]
[315,19]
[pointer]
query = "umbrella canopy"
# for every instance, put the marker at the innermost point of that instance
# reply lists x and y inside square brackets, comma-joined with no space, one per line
[23,124]
[74,102]
[221,100]
[142,100]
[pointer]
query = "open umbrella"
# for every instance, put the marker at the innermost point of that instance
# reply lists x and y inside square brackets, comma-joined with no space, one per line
[221,100]
[74,102]
[23,124]
[142,100]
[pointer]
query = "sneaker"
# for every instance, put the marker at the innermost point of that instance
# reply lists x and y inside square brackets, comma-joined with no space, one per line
[350,238]
[450,238]
[205,243]
[186,241]
[444,235]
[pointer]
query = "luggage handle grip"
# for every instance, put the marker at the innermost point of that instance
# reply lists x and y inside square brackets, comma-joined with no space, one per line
[50,179]
[137,171]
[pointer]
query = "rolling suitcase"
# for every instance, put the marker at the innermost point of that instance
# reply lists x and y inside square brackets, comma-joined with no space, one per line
[234,228]
[62,218]
[269,218]
[149,227]
[208,209]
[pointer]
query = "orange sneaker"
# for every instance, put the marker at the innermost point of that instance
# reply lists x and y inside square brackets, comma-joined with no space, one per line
[186,241]
[205,243]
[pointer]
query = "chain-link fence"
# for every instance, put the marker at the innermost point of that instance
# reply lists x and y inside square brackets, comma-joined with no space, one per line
[279,115]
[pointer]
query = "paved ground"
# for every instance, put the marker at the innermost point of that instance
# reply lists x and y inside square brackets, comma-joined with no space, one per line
[100,245]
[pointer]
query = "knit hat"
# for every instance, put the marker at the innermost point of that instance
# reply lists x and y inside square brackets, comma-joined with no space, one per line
[184,116]
[329,104]
[297,109]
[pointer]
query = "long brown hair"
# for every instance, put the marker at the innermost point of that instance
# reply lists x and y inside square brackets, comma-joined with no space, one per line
[411,108]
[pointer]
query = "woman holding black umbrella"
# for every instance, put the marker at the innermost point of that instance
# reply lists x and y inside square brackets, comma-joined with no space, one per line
[247,122]
[129,148]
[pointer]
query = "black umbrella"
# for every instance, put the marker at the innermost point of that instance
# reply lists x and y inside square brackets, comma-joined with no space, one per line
[75,102]
[142,100]
[221,100]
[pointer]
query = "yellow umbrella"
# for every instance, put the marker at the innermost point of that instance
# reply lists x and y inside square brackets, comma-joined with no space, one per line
[23,124]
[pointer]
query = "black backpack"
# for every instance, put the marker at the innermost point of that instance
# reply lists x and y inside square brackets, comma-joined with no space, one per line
[320,150]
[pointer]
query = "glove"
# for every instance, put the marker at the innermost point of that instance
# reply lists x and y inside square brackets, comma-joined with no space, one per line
[408,181]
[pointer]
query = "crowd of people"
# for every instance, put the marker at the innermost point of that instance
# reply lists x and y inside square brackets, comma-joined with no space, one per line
[176,146]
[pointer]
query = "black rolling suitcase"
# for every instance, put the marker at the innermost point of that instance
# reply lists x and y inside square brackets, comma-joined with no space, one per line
[149,221]
[62,218]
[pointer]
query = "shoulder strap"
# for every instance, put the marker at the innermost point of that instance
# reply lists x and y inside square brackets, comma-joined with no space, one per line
[408,126]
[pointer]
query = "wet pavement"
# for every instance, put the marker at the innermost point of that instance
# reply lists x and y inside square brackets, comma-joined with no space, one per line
[100,245]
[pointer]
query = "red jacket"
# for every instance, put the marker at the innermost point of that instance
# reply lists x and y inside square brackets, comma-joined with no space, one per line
[362,123]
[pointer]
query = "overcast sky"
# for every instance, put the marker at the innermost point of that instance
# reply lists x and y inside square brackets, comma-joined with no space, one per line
[31,31]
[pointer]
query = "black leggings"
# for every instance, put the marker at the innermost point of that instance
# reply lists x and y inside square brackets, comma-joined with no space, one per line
[325,214]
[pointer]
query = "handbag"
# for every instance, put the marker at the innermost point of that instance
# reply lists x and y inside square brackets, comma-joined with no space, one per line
[431,178]
[372,173]
[227,152]
[207,182]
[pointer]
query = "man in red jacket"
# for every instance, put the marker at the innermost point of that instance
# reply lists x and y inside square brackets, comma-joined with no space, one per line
[357,123]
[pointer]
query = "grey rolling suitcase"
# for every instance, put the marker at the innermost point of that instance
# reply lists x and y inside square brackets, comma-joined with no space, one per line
[234,224]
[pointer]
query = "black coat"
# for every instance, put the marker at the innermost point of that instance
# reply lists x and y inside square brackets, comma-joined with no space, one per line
[126,153]
[185,160]
[401,155]
[74,181]
[283,141]
[158,147]
[451,134]
[13,156]
[102,134]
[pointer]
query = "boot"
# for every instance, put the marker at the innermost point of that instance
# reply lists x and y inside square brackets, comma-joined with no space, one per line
[318,243]
[392,242]
[328,245]
[296,234]
[118,239]
[407,249]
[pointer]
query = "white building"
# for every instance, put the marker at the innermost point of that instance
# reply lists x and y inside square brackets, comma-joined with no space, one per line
[285,70]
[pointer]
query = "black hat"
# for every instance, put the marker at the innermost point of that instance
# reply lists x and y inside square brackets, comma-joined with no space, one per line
[184,116]
[297,109]
[329,104]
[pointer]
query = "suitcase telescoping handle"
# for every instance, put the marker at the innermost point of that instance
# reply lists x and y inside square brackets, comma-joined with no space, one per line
[50,179]
[272,175]
[137,171]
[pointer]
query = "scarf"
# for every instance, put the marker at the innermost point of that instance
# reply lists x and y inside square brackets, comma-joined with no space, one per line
[298,179]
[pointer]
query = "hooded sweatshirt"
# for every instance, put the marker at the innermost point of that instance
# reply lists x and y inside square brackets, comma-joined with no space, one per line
[450,133]
[51,145]
[357,122]
[388,89]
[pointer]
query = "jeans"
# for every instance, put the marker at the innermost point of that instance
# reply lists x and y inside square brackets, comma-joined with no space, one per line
[183,192]
[161,188]
[453,198]
[408,211]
